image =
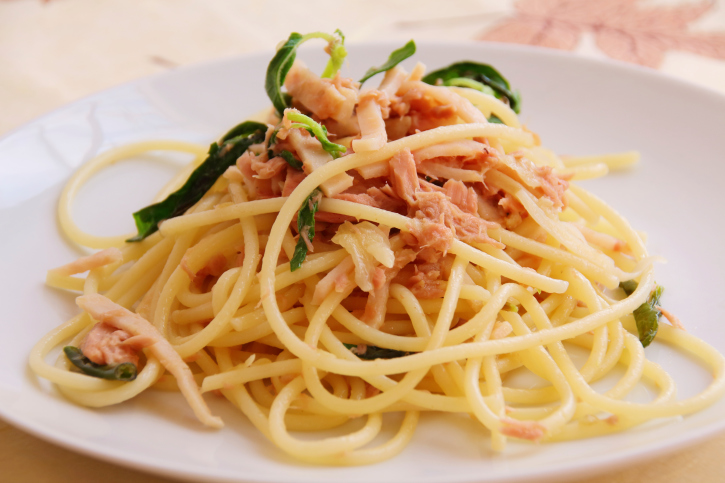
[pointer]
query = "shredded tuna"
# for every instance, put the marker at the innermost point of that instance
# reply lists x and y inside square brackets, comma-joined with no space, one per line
[437,208]
[378,277]
[256,188]
[83,264]
[461,196]
[454,206]
[266,169]
[404,176]
[338,279]
[370,390]
[429,255]
[436,170]
[539,178]
[326,98]
[293,179]
[104,344]
[378,298]
[428,187]
[377,198]
[305,237]
[108,312]
[445,97]
[385,201]
[552,185]
[424,111]
[427,283]
[336,218]
[513,212]
[214,267]
[528,430]
[671,318]
[430,234]
[463,160]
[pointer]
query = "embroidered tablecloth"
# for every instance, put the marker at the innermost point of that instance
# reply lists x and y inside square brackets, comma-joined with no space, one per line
[55,51]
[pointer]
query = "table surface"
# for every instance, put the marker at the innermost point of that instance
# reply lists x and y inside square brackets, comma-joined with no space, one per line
[56,51]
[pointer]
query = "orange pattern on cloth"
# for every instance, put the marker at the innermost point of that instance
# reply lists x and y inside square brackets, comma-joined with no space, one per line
[625,30]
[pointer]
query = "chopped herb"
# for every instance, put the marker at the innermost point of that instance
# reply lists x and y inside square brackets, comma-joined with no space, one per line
[337,53]
[371,352]
[272,141]
[629,287]
[470,83]
[317,130]
[511,307]
[278,68]
[125,371]
[646,315]
[282,61]
[396,57]
[284,154]
[232,145]
[482,77]
[493,118]
[306,228]
[291,160]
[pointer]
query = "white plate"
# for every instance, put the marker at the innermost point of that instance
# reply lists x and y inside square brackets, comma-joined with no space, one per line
[578,106]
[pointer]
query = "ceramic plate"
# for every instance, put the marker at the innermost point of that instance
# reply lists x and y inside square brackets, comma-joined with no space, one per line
[578,106]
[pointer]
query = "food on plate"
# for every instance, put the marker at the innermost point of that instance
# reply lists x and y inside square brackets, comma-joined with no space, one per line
[405,248]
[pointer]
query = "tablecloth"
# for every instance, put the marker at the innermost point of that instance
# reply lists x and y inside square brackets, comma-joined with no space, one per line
[55,51]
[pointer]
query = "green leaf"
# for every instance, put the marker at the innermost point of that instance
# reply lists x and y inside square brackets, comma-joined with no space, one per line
[242,130]
[471,84]
[284,154]
[495,119]
[337,55]
[283,59]
[483,75]
[647,320]
[271,142]
[511,307]
[646,315]
[278,68]
[221,156]
[125,371]
[340,34]
[372,352]
[317,130]
[305,224]
[629,287]
[291,160]
[396,57]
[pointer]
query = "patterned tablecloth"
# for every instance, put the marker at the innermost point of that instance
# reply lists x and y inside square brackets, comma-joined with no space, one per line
[56,51]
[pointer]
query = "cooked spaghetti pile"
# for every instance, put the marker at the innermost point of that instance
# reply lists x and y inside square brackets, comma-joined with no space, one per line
[404,248]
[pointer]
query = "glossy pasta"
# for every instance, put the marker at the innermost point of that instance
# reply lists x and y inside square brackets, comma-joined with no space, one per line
[214,287]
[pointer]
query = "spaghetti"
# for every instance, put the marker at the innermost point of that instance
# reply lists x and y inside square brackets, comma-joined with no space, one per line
[406,248]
